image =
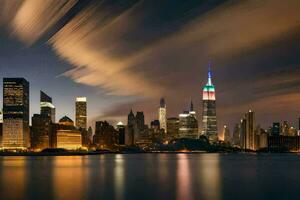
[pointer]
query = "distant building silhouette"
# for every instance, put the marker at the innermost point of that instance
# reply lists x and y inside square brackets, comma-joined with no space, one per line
[106,136]
[236,135]
[136,129]
[247,132]
[173,127]
[225,136]
[276,129]
[121,133]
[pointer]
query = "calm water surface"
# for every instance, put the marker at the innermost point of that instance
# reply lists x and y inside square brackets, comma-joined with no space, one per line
[151,176]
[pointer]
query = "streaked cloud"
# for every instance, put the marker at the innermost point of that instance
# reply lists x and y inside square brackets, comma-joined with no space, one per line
[90,41]
[30,19]
[143,50]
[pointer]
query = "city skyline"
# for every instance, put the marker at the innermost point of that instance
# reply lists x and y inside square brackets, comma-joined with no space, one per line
[144,99]
[250,74]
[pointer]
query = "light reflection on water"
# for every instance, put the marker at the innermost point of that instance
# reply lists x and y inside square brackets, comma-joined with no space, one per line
[119,176]
[150,176]
[210,173]
[183,177]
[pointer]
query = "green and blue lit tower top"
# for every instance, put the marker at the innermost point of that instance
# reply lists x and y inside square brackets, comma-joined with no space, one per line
[209,88]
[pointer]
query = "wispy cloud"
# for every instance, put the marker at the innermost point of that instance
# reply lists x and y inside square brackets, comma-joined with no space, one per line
[30,19]
[90,41]
[113,51]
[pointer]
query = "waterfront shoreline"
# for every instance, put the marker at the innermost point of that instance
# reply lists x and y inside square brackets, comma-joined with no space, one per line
[42,154]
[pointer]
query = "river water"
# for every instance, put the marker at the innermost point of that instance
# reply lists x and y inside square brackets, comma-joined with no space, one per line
[151,176]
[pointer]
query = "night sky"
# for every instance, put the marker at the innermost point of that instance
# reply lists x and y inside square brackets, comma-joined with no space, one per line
[127,54]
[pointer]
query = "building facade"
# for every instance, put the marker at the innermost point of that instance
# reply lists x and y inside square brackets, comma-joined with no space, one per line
[41,123]
[106,136]
[81,112]
[16,113]
[40,132]
[47,108]
[173,127]
[209,115]
[247,132]
[188,124]
[236,136]
[68,137]
[276,129]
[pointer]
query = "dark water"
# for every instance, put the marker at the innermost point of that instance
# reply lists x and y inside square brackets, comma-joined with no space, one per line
[151,176]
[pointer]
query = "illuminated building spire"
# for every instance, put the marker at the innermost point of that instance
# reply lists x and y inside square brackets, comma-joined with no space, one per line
[209,117]
[209,82]
[209,89]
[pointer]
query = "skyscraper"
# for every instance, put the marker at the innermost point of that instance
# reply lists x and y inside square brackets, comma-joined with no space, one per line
[47,108]
[225,136]
[81,114]
[40,132]
[173,127]
[236,135]
[130,129]
[209,120]
[121,133]
[162,114]
[140,121]
[276,129]
[106,136]
[243,134]
[188,124]
[285,128]
[247,132]
[15,113]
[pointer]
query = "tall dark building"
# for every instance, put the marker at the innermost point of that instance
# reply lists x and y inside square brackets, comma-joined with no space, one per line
[242,130]
[90,135]
[236,135]
[47,108]
[155,125]
[40,132]
[173,127]
[276,129]
[81,112]
[131,119]
[130,129]
[121,132]
[247,132]
[209,120]
[140,121]
[16,113]
[105,136]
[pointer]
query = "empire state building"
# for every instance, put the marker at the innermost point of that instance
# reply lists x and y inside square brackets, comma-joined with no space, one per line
[209,120]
